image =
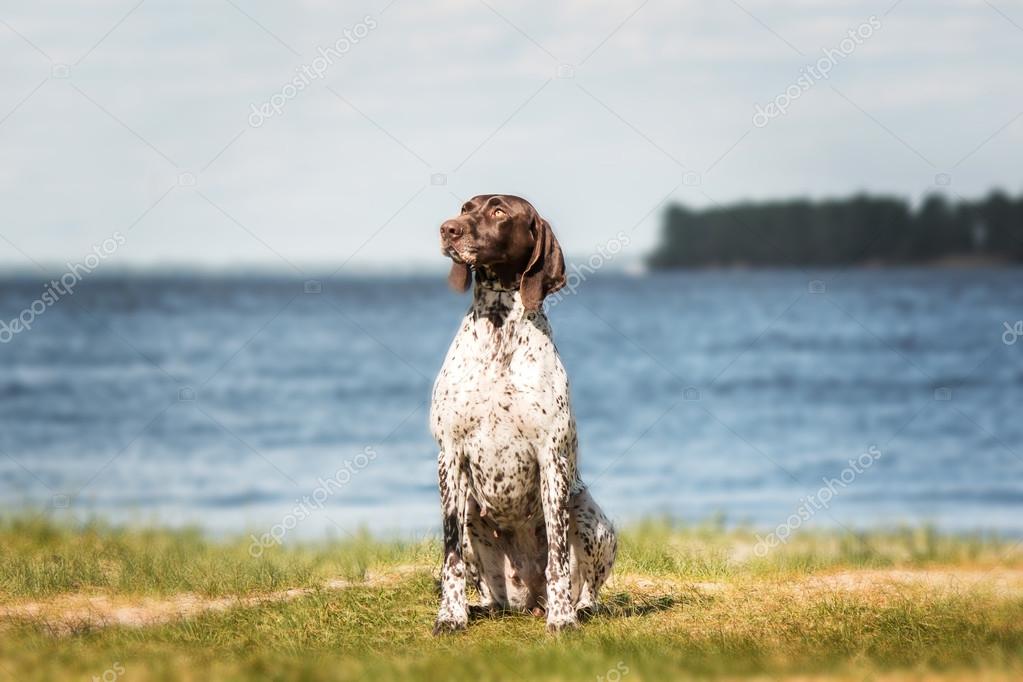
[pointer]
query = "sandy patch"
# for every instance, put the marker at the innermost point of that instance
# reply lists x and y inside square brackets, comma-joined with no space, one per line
[75,612]
[1003,582]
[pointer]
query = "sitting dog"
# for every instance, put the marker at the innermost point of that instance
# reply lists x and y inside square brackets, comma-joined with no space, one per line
[518,521]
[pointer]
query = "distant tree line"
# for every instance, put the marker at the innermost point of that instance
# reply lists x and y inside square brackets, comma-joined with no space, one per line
[860,229]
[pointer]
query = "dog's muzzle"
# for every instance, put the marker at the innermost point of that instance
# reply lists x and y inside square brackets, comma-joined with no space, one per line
[452,233]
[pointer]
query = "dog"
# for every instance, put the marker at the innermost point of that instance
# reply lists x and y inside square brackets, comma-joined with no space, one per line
[517,520]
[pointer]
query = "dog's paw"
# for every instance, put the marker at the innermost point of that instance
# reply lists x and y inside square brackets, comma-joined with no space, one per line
[448,625]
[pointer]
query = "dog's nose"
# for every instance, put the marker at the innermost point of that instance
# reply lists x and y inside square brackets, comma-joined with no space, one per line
[451,230]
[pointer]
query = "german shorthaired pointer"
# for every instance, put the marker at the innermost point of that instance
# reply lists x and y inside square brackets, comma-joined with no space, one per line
[518,521]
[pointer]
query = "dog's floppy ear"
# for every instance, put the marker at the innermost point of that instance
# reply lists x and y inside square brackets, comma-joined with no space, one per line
[545,273]
[460,277]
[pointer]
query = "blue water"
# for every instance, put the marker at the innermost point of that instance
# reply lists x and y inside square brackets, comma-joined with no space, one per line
[222,401]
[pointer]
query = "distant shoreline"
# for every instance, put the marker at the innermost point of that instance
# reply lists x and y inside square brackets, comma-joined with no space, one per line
[868,231]
[951,262]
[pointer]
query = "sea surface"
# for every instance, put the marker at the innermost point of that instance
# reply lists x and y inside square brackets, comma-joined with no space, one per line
[233,402]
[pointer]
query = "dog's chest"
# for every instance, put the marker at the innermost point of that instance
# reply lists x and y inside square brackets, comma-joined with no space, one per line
[506,377]
[500,395]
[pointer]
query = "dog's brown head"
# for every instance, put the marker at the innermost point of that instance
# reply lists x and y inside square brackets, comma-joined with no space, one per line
[507,239]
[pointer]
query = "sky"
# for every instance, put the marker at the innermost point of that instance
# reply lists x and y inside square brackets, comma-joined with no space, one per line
[180,124]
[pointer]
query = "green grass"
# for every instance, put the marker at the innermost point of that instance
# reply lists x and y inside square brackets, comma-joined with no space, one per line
[762,624]
[40,558]
[710,551]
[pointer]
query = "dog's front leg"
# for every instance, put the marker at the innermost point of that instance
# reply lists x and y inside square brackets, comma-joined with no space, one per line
[556,475]
[454,613]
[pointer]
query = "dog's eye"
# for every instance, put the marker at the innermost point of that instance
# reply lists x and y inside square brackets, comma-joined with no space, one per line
[498,213]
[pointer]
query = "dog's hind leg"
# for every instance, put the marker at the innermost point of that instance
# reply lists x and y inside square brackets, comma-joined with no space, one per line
[594,546]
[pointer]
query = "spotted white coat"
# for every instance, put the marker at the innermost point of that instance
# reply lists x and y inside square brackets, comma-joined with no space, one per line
[518,521]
